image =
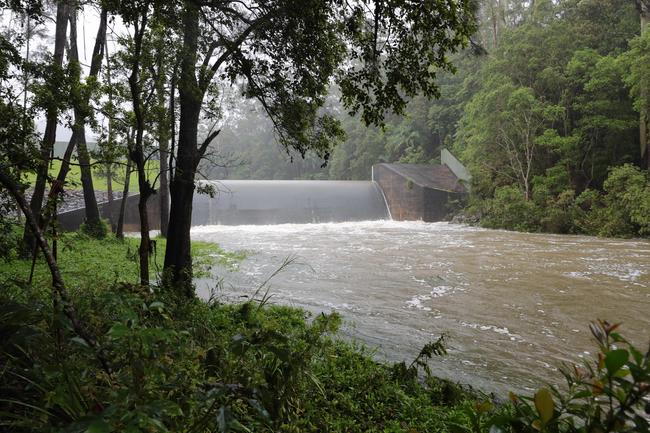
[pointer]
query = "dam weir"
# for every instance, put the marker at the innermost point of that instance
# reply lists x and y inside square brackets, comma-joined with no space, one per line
[402,192]
[246,202]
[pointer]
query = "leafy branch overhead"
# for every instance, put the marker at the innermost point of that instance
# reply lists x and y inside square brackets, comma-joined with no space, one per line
[287,55]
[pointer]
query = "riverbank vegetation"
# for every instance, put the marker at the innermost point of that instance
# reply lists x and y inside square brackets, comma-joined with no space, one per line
[159,362]
[88,262]
[546,109]
[107,337]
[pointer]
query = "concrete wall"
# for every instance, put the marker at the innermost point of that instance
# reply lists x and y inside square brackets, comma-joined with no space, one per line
[436,206]
[456,167]
[409,201]
[405,199]
[71,220]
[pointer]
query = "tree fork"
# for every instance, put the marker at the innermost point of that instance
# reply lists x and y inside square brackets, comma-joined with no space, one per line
[93,217]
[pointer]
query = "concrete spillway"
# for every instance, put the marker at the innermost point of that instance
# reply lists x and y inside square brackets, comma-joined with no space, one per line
[397,191]
[240,202]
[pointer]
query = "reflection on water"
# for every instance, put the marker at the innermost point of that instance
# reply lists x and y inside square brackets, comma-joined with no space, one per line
[515,305]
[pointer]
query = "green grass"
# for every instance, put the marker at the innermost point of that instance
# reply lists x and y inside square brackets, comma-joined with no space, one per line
[87,262]
[73,178]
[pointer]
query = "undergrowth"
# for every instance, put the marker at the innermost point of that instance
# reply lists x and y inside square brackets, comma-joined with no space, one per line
[195,366]
[164,364]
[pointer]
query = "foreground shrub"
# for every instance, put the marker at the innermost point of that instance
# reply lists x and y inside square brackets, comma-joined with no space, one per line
[608,394]
[199,367]
[623,210]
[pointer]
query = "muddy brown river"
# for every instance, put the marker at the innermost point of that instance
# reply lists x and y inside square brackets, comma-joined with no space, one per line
[515,305]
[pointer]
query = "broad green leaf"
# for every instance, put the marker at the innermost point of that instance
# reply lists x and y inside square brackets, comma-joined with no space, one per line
[544,404]
[616,359]
[98,426]
[622,372]
[118,330]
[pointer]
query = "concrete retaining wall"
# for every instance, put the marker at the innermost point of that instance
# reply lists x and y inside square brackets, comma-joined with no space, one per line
[409,201]
[71,220]
[448,159]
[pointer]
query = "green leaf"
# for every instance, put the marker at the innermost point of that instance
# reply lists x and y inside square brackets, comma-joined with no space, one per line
[616,359]
[80,341]
[98,426]
[157,305]
[582,394]
[118,330]
[544,404]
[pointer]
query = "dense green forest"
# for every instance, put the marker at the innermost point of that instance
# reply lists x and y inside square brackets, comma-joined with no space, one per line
[543,108]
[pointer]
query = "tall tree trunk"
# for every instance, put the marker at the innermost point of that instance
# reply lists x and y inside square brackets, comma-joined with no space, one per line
[93,218]
[109,165]
[163,143]
[119,231]
[178,258]
[49,137]
[137,150]
[164,187]
[109,193]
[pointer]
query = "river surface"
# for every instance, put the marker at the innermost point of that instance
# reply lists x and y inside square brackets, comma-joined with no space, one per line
[515,305]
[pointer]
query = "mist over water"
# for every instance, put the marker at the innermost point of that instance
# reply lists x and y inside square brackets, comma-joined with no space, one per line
[515,305]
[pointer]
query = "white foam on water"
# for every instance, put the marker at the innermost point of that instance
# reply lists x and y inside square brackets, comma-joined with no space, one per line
[499,330]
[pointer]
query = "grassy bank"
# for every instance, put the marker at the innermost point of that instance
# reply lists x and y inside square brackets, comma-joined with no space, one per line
[160,363]
[93,263]
[73,178]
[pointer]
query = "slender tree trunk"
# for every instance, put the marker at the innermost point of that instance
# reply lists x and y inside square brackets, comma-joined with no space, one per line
[109,193]
[163,143]
[137,150]
[119,231]
[178,258]
[164,187]
[93,217]
[495,23]
[49,137]
[109,165]
[28,38]
[172,126]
